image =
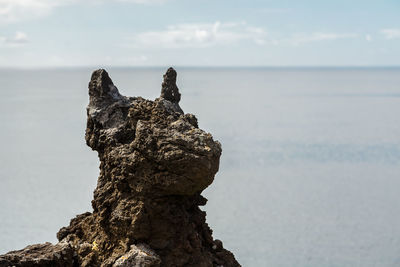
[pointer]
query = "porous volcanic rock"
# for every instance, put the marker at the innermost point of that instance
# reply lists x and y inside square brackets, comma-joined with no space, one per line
[154,164]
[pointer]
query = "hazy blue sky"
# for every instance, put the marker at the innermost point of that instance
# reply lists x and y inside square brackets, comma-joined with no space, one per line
[199,33]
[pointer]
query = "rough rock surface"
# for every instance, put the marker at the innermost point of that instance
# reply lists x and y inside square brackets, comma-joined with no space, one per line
[154,164]
[46,254]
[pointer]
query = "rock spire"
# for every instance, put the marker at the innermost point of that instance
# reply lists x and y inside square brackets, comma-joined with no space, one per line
[154,164]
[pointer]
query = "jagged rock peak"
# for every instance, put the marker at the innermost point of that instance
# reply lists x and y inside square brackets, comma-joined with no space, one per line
[169,90]
[101,87]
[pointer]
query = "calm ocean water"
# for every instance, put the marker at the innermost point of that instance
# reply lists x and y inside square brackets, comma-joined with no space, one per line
[310,170]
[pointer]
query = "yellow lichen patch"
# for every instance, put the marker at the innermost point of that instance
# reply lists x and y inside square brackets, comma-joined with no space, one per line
[94,246]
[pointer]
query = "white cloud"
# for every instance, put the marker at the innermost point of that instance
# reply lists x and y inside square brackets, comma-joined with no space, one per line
[368,37]
[211,34]
[17,10]
[19,38]
[301,38]
[391,33]
[200,35]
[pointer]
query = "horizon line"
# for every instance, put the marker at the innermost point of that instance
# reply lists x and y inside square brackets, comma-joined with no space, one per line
[202,67]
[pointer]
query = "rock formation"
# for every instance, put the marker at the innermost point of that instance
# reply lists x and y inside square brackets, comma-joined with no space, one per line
[154,164]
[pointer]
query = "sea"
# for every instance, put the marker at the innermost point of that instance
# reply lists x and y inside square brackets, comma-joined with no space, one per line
[309,173]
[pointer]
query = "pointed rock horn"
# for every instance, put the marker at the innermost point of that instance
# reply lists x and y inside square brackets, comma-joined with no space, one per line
[101,86]
[169,90]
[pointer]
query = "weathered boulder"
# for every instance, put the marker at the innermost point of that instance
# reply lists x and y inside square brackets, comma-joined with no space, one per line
[59,255]
[154,164]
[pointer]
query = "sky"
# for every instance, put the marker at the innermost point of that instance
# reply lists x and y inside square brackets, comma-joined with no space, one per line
[68,33]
